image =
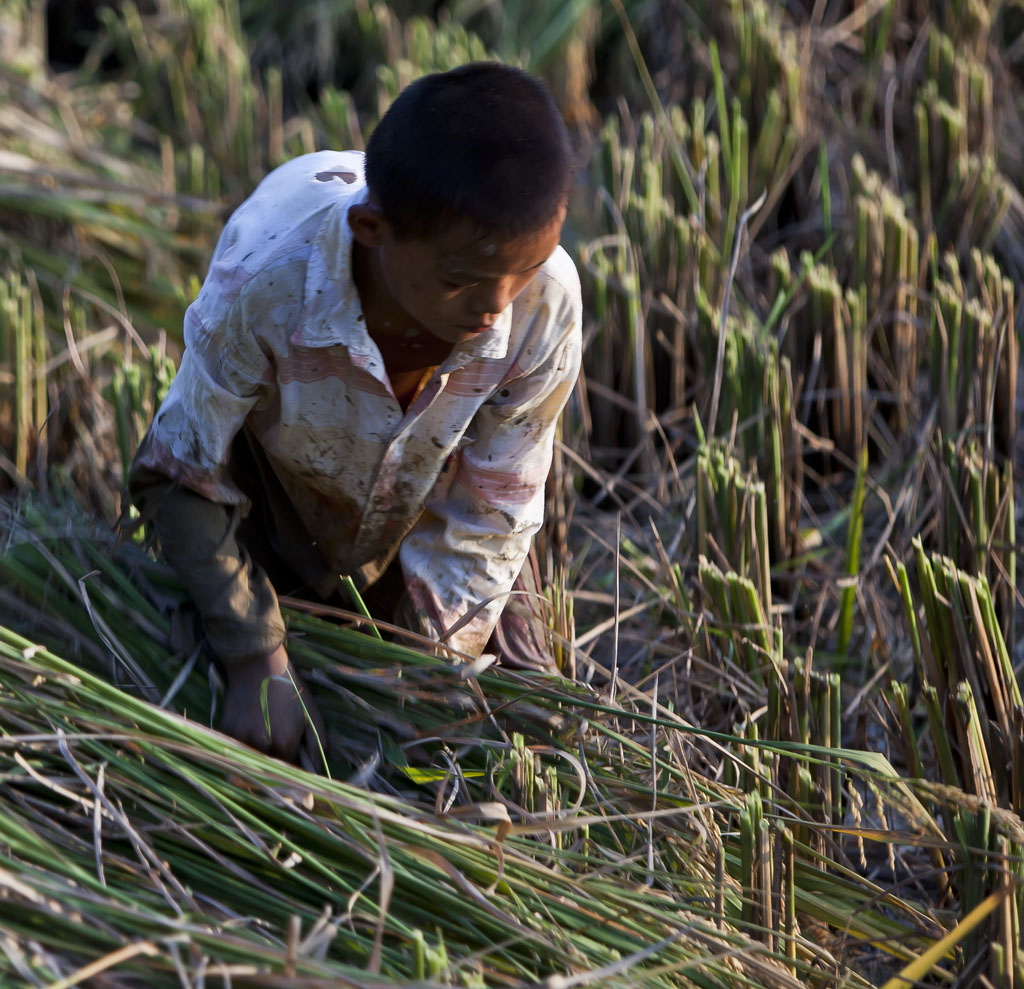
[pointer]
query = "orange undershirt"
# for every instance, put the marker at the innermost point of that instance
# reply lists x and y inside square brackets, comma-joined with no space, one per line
[408,384]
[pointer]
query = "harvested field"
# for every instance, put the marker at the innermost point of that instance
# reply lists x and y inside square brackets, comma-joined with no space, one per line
[780,557]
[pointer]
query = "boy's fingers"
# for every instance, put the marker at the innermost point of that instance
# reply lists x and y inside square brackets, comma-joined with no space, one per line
[275,713]
[250,730]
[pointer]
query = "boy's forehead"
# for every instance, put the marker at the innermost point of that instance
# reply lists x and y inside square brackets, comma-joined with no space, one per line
[464,237]
[460,254]
[464,247]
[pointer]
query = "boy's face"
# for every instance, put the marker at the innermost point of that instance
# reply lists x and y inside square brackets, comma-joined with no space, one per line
[455,284]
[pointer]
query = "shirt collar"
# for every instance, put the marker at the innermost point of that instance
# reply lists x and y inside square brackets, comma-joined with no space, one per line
[332,312]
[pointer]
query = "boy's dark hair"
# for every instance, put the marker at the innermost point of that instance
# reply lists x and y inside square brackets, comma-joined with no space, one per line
[483,142]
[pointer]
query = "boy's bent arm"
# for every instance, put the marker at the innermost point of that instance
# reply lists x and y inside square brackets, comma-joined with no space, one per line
[238,605]
[180,479]
[241,617]
[180,476]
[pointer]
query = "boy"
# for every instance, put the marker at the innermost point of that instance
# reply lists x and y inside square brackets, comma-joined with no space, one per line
[372,376]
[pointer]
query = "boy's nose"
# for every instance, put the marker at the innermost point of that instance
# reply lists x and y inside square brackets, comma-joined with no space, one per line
[491,298]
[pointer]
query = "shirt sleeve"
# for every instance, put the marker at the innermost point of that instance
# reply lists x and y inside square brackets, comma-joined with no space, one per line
[238,605]
[466,550]
[223,376]
[181,480]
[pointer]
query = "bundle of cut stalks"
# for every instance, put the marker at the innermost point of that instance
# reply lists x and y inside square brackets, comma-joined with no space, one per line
[498,829]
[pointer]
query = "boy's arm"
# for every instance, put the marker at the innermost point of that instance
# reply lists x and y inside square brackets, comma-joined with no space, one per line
[238,605]
[475,533]
[180,475]
[180,480]
[241,617]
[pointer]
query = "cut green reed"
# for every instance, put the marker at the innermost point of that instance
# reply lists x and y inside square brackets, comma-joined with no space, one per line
[311,860]
[748,357]
[237,805]
[964,197]
[975,714]
[319,858]
[684,259]
[978,200]
[392,702]
[854,533]
[827,341]
[815,701]
[975,365]
[990,508]
[222,107]
[887,262]
[135,392]
[23,348]
[200,61]
[647,241]
[957,145]
[757,403]
[732,519]
[752,642]
[733,137]
[767,63]
[426,47]
[975,351]
[767,115]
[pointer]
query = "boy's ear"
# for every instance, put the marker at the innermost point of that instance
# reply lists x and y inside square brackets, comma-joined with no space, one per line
[369,227]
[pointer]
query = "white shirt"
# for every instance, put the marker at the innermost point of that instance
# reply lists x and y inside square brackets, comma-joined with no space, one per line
[276,341]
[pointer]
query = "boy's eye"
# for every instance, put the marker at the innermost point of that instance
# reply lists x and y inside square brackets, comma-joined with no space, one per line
[453,283]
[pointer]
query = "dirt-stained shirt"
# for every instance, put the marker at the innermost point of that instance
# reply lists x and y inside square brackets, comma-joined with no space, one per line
[276,341]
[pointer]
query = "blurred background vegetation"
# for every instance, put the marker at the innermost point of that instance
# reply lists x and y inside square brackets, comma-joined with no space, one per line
[783,505]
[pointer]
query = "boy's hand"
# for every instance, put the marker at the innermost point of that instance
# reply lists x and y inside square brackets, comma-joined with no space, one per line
[246,716]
